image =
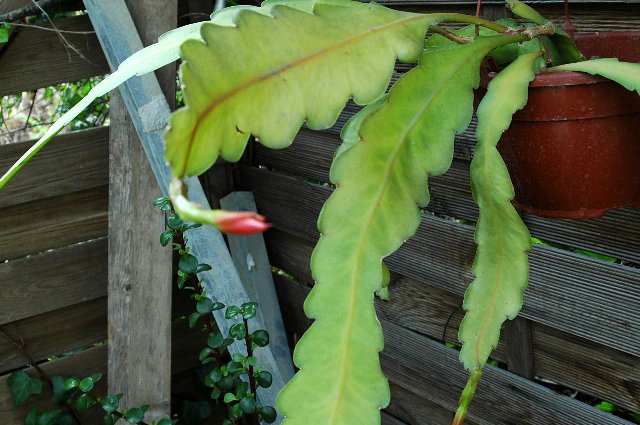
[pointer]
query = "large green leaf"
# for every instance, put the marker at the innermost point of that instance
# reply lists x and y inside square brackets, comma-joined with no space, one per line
[623,73]
[269,74]
[501,266]
[381,180]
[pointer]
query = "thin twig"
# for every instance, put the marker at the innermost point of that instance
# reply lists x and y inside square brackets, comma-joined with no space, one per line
[27,10]
[252,379]
[460,39]
[52,29]
[65,42]
[33,102]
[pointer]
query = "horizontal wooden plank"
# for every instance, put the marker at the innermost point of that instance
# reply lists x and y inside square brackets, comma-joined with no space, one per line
[54,222]
[559,357]
[38,58]
[83,364]
[70,163]
[53,333]
[53,280]
[408,407]
[433,372]
[617,234]
[387,419]
[580,295]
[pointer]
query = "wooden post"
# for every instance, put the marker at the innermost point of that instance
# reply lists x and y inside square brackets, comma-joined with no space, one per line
[140,269]
[149,113]
[520,347]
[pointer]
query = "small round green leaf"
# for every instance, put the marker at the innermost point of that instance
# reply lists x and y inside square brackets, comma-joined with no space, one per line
[248,405]
[260,338]
[204,306]
[174,222]
[86,384]
[109,420]
[215,340]
[232,311]
[134,415]
[229,397]
[249,310]
[264,379]
[235,412]
[215,393]
[234,367]
[226,382]
[203,268]
[188,264]
[217,306]
[238,331]
[166,237]
[70,384]
[205,353]
[193,319]
[268,414]
[110,403]
[84,402]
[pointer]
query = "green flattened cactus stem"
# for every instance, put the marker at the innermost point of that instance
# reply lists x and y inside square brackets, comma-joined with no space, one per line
[466,397]
[232,222]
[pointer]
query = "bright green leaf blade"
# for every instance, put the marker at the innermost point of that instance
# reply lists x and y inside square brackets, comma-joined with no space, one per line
[281,71]
[624,73]
[380,181]
[501,265]
[165,51]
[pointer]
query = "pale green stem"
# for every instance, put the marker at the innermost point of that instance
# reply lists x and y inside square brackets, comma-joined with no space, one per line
[466,396]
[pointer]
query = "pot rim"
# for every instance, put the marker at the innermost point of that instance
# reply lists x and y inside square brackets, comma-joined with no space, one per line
[548,78]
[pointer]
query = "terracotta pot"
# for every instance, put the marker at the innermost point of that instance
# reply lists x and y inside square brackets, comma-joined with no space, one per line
[574,151]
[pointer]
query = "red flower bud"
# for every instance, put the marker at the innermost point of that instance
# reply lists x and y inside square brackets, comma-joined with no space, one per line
[239,223]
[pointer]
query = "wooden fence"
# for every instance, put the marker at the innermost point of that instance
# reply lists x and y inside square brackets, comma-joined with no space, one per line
[53,234]
[579,329]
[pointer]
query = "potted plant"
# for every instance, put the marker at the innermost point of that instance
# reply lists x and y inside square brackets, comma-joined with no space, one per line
[569,151]
[263,71]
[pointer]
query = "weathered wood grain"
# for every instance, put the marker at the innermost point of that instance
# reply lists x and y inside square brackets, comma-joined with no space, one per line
[616,234]
[37,226]
[250,257]
[53,333]
[69,163]
[140,269]
[433,372]
[52,280]
[387,419]
[38,58]
[557,356]
[520,347]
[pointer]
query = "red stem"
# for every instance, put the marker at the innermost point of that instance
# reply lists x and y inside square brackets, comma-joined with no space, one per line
[252,380]
[478,7]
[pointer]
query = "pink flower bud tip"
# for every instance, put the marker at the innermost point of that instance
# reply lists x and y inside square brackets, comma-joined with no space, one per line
[240,223]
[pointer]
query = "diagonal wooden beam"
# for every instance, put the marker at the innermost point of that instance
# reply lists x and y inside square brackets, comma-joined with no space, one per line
[149,113]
